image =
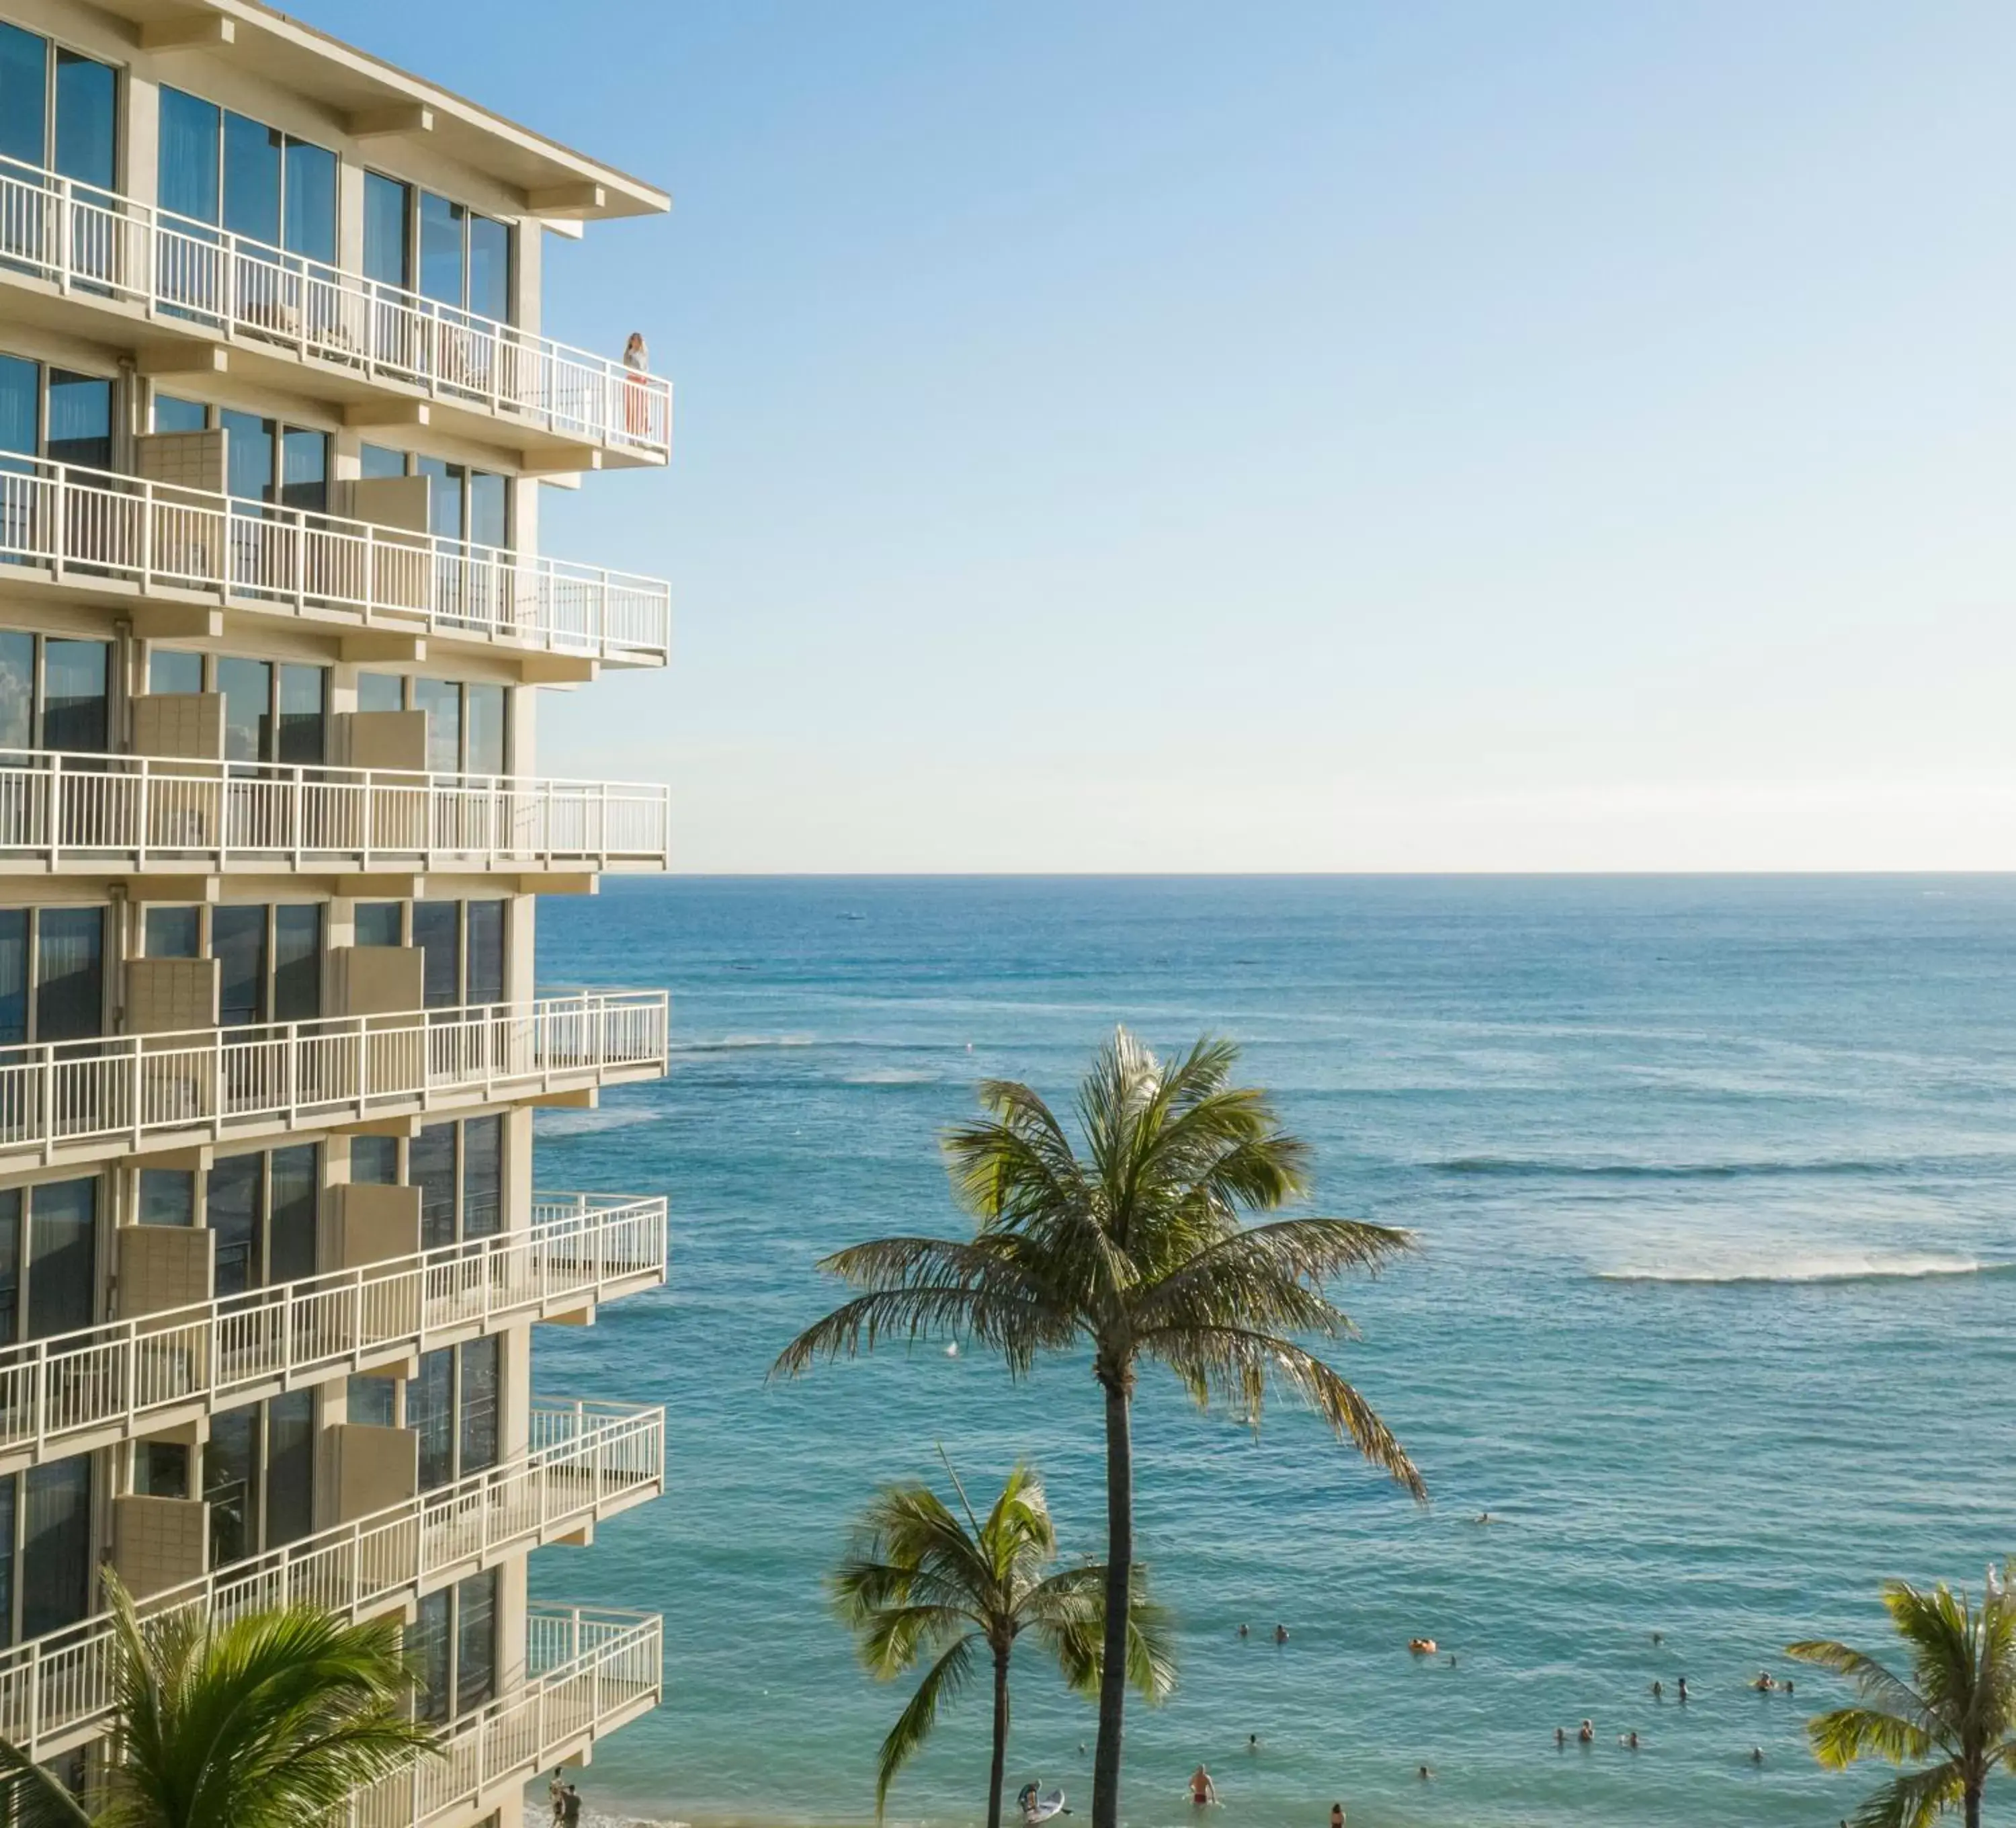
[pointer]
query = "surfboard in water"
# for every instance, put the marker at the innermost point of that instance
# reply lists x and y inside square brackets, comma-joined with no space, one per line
[1040,1809]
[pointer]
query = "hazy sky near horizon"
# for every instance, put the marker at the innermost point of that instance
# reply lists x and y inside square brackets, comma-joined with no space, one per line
[1301,436]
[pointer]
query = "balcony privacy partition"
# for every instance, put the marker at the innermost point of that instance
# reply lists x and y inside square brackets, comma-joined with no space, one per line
[55,1688]
[82,525]
[84,240]
[121,1090]
[587,1672]
[82,811]
[66,1392]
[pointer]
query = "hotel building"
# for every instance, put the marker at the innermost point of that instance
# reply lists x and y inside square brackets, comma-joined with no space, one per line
[276,410]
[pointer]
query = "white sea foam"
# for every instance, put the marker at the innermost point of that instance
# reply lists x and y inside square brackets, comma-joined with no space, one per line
[588,1123]
[1829,1266]
[889,1076]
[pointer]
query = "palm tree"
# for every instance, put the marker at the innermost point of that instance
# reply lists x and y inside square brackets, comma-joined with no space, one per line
[916,1579]
[1138,1250]
[1958,1706]
[269,1721]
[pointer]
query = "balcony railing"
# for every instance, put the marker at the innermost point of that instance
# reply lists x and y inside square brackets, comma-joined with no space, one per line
[96,243]
[63,1685]
[62,1393]
[587,1673]
[64,810]
[86,525]
[121,1090]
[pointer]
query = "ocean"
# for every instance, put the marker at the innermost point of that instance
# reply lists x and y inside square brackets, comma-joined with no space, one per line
[1715,1182]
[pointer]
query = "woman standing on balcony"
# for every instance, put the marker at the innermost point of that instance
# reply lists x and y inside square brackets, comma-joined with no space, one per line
[636,402]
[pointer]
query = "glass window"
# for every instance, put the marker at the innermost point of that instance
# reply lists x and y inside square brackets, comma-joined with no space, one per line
[475,1640]
[252,179]
[231,1210]
[14,974]
[444,228]
[430,1167]
[62,1255]
[486,952]
[21,408]
[173,414]
[238,943]
[25,98]
[444,488]
[436,932]
[70,973]
[381,691]
[378,923]
[297,962]
[370,1402]
[478,1409]
[431,1415]
[489,268]
[380,461]
[174,933]
[482,1177]
[489,513]
[428,1648]
[485,706]
[188,156]
[290,1226]
[171,670]
[311,194]
[441,700]
[162,1469]
[303,694]
[248,455]
[56,1559]
[168,1196]
[87,115]
[374,1161]
[10,1273]
[79,420]
[387,231]
[73,696]
[247,686]
[304,470]
[229,1459]
[17,689]
[289,1467]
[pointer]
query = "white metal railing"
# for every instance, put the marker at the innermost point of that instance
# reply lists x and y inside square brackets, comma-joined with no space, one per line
[586,1671]
[123,1088]
[56,1392]
[87,240]
[138,811]
[85,524]
[58,1685]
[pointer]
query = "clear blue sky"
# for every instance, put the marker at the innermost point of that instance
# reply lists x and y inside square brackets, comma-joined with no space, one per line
[1297,436]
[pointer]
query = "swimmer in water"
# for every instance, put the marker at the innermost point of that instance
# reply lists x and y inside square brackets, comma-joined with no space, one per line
[1202,1789]
[1787,1685]
[1757,1754]
[1281,1634]
[1483,1517]
[1425,1774]
[1561,1739]
[1242,1627]
[1586,1734]
[1763,1684]
[1253,1742]
[1452,1659]
[1629,1740]
[1337,1816]
[1658,1690]
[1659,1637]
[1684,1689]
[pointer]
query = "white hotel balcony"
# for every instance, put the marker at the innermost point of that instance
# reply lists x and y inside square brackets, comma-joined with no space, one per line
[588,1671]
[99,536]
[72,1392]
[88,815]
[57,1690]
[68,249]
[76,1101]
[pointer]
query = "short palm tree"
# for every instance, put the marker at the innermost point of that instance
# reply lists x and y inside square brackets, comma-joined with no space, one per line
[270,1720]
[917,1580]
[1957,1707]
[1136,1250]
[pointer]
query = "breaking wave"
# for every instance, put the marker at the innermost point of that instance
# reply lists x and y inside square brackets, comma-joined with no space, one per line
[1845,1266]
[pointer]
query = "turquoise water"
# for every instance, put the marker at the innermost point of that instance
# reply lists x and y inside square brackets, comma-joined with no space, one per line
[1716,1181]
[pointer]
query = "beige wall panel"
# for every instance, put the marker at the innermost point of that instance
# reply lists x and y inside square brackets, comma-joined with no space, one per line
[371,1469]
[186,726]
[163,1267]
[375,980]
[158,1543]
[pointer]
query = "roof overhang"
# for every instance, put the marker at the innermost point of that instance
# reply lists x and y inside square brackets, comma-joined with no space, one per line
[374,97]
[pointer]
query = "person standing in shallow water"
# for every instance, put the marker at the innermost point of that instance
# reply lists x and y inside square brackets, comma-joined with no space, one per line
[1337,1816]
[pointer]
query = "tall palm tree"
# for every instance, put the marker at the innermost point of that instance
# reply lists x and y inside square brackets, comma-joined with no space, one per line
[270,1720]
[1958,1706]
[917,1580]
[1137,1250]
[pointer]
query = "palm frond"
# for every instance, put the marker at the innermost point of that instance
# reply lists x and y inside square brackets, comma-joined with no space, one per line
[34,1799]
[1915,1800]
[942,1681]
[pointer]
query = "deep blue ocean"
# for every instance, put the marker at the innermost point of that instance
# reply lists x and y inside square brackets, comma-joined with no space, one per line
[1716,1184]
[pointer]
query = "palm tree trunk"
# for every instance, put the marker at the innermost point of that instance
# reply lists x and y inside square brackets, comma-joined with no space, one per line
[1971,1799]
[1119,1571]
[1000,1739]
